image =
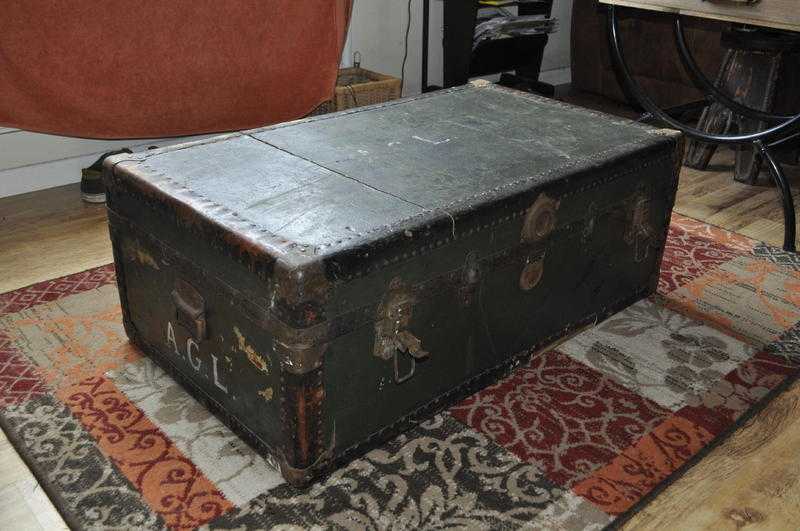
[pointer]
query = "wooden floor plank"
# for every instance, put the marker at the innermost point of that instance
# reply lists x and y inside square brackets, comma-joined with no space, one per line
[49,234]
[751,481]
[23,503]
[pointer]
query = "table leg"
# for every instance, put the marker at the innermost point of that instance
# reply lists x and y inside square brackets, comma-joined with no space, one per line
[782,183]
[761,140]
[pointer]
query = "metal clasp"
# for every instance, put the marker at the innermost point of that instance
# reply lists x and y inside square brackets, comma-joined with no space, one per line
[407,342]
[391,334]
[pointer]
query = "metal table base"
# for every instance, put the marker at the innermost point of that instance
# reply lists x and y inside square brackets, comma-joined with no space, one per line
[785,128]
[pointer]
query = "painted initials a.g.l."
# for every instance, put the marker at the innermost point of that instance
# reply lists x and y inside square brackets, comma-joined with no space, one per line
[192,356]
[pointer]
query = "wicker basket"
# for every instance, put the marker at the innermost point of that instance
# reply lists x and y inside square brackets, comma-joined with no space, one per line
[356,87]
[325,107]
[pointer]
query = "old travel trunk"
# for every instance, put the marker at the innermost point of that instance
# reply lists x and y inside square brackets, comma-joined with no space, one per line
[324,284]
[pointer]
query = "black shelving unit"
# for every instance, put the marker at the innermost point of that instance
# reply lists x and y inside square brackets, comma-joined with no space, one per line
[522,54]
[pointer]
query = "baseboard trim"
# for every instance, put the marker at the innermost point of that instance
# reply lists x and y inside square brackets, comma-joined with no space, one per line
[43,174]
[559,76]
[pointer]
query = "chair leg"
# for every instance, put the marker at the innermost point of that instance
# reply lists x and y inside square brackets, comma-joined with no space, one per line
[715,119]
[757,81]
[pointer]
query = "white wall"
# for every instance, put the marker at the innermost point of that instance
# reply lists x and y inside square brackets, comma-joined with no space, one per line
[32,161]
[35,161]
[556,54]
[377,30]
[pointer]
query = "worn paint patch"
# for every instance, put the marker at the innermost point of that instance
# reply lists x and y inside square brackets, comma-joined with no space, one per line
[134,249]
[255,358]
[266,393]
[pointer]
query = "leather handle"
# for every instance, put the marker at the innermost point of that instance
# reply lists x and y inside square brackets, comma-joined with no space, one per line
[190,309]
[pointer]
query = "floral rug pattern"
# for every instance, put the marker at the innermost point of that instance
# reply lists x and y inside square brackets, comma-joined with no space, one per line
[574,439]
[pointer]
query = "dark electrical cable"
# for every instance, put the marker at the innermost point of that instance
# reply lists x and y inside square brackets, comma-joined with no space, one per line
[405,50]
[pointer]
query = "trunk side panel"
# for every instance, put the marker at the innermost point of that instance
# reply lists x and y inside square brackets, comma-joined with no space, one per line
[232,370]
[589,272]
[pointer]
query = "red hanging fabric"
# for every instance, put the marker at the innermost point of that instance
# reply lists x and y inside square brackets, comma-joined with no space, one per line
[154,68]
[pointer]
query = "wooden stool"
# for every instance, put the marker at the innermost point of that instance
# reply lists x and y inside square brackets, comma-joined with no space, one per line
[761,69]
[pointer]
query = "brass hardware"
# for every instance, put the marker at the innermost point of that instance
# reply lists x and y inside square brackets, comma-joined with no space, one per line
[531,274]
[300,477]
[407,376]
[540,220]
[190,309]
[299,358]
[394,315]
[407,342]
[298,284]
[391,335]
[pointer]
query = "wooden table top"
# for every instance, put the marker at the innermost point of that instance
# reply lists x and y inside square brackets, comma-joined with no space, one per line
[778,14]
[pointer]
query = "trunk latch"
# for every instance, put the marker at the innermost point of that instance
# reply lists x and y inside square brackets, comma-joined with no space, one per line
[392,336]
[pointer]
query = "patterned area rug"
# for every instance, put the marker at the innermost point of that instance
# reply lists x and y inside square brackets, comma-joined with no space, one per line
[579,438]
